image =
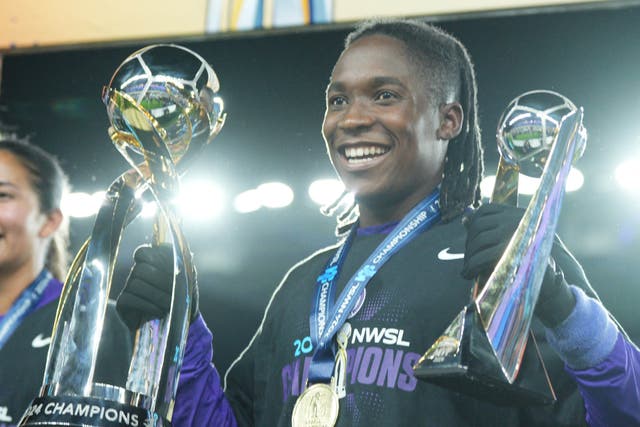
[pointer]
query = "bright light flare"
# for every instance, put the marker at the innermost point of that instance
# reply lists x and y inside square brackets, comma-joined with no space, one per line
[275,195]
[325,191]
[80,204]
[247,201]
[200,200]
[628,175]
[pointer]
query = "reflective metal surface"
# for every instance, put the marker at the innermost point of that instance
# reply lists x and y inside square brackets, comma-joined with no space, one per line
[507,301]
[163,107]
[482,351]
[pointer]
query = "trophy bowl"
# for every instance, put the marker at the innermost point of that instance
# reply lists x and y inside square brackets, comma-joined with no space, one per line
[176,87]
[528,127]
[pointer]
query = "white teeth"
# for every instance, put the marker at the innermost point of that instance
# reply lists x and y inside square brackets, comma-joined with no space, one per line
[363,154]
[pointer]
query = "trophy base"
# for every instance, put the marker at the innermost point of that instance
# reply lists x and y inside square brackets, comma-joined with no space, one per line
[463,360]
[81,411]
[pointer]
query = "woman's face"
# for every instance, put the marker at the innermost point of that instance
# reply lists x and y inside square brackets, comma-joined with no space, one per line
[24,230]
[380,125]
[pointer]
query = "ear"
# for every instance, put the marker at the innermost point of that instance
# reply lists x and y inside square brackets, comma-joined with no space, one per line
[451,117]
[52,222]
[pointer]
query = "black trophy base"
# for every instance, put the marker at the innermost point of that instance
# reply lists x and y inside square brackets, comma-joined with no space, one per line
[79,411]
[463,360]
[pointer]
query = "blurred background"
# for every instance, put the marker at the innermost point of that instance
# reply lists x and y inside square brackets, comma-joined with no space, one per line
[247,207]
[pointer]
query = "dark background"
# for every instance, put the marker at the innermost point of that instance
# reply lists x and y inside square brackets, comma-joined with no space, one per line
[273,87]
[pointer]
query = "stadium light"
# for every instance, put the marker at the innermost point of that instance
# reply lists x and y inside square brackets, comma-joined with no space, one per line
[325,191]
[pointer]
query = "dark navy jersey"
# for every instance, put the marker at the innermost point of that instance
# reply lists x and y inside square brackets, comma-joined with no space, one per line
[407,305]
[24,355]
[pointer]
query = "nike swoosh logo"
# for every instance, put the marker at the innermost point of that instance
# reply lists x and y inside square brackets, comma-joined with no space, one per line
[40,341]
[445,255]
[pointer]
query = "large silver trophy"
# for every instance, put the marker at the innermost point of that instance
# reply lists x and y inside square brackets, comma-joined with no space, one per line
[163,108]
[489,351]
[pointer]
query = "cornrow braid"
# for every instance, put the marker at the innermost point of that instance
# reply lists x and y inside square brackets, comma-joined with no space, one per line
[448,70]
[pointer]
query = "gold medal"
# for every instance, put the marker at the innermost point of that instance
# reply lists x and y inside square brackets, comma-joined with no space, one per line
[317,406]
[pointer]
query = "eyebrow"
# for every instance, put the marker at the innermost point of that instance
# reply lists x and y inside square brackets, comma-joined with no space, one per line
[375,81]
[7,184]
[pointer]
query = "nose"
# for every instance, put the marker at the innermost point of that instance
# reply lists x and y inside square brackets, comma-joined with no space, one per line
[357,115]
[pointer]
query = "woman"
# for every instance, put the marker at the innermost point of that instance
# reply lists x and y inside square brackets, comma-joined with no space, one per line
[346,325]
[33,263]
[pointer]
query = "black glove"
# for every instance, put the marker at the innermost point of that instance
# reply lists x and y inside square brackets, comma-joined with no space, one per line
[489,230]
[147,292]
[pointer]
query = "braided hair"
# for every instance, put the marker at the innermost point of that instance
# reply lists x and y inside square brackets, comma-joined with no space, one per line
[447,68]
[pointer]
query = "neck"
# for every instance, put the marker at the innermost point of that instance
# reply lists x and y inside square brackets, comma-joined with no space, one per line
[14,281]
[374,212]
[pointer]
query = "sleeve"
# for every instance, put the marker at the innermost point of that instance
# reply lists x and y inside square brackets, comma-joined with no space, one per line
[602,361]
[200,400]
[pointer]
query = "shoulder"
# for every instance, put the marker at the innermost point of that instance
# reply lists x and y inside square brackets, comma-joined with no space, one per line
[444,239]
[23,358]
[312,264]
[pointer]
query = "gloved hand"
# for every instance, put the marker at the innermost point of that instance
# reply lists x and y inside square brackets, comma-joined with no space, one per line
[489,230]
[147,292]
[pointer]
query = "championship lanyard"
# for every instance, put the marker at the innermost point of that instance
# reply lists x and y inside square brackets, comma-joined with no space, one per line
[327,318]
[25,303]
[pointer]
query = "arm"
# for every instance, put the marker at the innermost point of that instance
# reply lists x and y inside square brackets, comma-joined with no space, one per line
[605,365]
[147,293]
[200,400]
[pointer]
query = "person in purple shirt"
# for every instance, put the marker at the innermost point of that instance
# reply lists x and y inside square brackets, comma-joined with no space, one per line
[401,131]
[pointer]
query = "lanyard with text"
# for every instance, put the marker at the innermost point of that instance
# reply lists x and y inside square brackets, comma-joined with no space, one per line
[25,303]
[327,318]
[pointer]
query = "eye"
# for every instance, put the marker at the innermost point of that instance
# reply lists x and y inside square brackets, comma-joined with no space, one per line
[385,95]
[336,100]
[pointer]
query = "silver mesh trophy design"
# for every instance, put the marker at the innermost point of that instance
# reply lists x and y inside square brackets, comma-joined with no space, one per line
[163,109]
[488,351]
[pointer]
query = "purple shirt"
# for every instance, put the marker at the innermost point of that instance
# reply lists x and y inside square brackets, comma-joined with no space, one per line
[612,384]
[604,364]
[200,400]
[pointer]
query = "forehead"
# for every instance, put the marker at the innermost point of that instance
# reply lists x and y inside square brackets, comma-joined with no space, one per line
[374,56]
[12,170]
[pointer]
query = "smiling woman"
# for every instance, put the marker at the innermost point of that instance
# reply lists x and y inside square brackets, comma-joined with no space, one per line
[344,329]
[33,263]
[33,256]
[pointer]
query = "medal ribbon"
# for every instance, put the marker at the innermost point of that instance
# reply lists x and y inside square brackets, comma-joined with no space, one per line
[24,305]
[327,318]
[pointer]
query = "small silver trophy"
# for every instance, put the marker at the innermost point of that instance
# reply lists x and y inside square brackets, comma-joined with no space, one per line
[482,352]
[163,108]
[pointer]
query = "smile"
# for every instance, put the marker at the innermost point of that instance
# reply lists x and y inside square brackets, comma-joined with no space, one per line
[365,153]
